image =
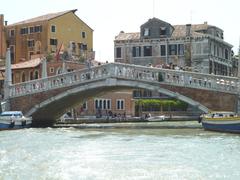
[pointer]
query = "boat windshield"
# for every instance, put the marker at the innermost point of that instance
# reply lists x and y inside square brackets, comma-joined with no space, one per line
[12,113]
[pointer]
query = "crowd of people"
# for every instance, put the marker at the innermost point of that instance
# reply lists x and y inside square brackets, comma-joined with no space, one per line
[110,115]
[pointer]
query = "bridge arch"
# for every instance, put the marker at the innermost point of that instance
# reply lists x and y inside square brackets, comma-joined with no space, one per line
[52,108]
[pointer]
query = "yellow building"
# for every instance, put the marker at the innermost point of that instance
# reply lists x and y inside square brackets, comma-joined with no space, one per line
[48,34]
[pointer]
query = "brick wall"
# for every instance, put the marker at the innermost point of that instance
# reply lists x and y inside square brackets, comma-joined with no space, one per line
[211,99]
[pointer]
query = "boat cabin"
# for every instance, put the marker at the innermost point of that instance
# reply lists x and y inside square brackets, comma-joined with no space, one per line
[220,114]
[12,114]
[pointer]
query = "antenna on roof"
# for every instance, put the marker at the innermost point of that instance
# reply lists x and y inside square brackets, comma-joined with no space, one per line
[191,17]
[239,59]
[153,4]
[239,49]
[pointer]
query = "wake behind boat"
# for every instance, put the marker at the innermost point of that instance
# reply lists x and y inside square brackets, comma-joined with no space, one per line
[14,120]
[221,121]
[156,118]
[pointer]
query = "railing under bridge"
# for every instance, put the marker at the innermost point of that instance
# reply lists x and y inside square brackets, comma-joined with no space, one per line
[128,72]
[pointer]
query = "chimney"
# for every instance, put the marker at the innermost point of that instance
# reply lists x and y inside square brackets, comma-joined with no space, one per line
[1,19]
[188,29]
[5,23]
[2,39]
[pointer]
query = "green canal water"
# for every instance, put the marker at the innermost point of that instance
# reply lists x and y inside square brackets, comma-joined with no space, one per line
[159,150]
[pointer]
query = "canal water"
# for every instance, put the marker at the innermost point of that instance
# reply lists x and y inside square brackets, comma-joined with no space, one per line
[159,150]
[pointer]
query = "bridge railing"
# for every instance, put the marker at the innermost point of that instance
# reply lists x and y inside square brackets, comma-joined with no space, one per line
[129,72]
[59,81]
[178,78]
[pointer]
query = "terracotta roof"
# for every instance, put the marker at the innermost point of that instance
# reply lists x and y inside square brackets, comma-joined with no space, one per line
[180,30]
[24,65]
[127,36]
[43,17]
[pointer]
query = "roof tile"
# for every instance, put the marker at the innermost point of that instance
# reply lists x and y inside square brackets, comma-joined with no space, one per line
[45,17]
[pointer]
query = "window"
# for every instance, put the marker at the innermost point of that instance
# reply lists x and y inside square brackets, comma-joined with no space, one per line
[36,74]
[24,30]
[31,75]
[12,54]
[120,104]
[136,51]
[163,31]
[163,50]
[30,53]
[108,104]
[147,50]
[53,42]
[38,28]
[30,43]
[31,29]
[172,49]
[96,104]
[23,77]
[74,47]
[181,49]
[119,52]
[52,70]
[53,28]
[137,94]
[146,32]
[222,35]
[12,33]
[82,46]
[38,45]
[147,93]
[226,54]
[103,104]
[83,34]
[84,105]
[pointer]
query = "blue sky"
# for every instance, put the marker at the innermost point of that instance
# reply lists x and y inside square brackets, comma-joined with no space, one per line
[109,17]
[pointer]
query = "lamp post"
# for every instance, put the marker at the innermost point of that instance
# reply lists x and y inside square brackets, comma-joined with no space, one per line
[238,68]
[8,75]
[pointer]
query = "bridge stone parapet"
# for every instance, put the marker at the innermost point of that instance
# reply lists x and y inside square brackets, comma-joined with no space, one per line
[131,72]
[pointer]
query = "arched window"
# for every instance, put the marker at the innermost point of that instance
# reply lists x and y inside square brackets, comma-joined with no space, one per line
[59,71]
[36,75]
[37,47]
[23,77]
[31,75]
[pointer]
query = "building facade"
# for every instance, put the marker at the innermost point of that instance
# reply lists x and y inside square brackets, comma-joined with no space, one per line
[50,33]
[110,104]
[197,47]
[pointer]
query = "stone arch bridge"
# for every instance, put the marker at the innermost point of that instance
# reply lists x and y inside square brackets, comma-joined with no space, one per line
[45,99]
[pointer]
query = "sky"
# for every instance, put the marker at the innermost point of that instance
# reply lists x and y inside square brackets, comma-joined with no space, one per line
[108,17]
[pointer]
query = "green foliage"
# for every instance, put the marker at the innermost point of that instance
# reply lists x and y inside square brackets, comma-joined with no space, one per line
[158,104]
[49,57]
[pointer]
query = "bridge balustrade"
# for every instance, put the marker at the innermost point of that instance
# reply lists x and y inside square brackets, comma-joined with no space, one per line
[129,72]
